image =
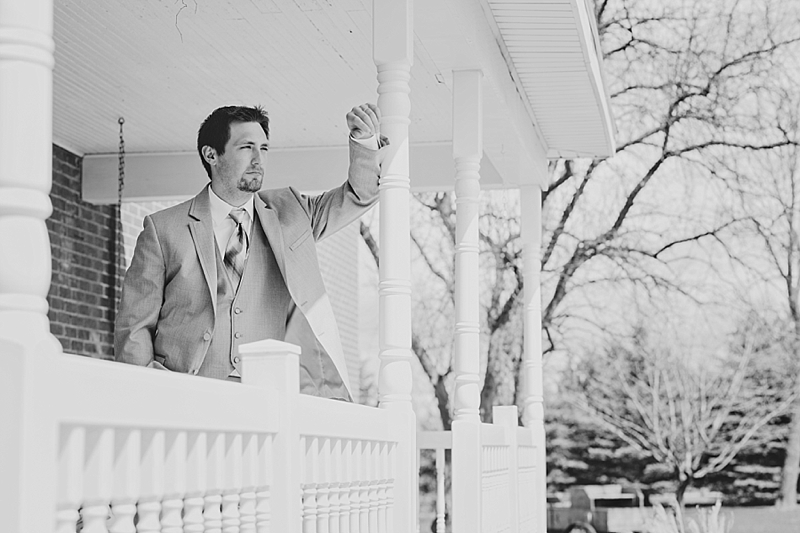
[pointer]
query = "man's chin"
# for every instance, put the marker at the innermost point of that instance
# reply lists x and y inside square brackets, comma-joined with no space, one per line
[250,185]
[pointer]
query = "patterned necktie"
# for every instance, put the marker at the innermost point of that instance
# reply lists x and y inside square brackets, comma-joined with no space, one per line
[236,250]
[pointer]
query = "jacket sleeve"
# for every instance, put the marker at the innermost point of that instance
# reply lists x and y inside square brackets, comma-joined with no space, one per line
[332,210]
[142,298]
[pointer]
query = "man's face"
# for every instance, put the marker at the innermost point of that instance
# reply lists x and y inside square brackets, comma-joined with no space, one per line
[241,166]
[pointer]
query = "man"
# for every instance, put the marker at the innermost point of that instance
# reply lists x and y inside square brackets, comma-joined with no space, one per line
[235,265]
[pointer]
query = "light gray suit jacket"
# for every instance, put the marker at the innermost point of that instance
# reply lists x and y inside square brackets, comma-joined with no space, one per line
[169,294]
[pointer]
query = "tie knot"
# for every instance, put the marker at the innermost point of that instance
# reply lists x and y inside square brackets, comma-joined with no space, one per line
[239,215]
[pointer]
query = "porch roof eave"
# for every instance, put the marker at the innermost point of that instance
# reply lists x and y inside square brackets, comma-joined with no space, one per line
[530,105]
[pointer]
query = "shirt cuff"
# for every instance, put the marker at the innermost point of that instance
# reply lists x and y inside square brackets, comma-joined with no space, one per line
[369,142]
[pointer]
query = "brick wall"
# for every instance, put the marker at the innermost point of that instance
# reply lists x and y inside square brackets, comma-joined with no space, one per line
[79,242]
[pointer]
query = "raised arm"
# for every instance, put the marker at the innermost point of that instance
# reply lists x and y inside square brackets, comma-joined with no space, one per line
[338,207]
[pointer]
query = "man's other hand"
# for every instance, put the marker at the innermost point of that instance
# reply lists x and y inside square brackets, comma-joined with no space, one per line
[364,121]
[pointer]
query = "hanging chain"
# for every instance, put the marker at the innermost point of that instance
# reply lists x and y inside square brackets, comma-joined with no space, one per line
[121,163]
[118,265]
[120,187]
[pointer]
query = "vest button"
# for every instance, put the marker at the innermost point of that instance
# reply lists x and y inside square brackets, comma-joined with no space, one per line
[207,336]
[236,360]
[237,310]
[238,335]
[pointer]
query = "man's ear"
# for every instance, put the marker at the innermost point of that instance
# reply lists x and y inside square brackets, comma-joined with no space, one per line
[209,155]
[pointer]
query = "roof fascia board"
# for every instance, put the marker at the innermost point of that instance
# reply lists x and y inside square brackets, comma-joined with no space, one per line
[590,42]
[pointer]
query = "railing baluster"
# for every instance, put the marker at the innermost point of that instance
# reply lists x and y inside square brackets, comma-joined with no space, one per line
[152,479]
[382,476]
[212,512]
[355,488]
[323,486]
[335,472]
[127,454]
[174,482]
[97,479]
[374,482]
[308,477]
[390,489]
[67,518]
[70,477]
[345,504]
[196,463]
[95,517]
[441,512]
[233,484]
[363,486]
[247,508]
[121,521]
[264,480]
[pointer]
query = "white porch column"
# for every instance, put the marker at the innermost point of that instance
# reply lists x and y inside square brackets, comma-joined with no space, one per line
[26,118]
[467,152]
[533,396]
[393,53]
[28,452]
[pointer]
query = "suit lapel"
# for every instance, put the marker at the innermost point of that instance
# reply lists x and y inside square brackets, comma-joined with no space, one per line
[306,288]
[202,231]
[272,229]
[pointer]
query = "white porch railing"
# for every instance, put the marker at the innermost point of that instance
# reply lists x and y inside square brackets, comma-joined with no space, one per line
[122,449]
[502,456]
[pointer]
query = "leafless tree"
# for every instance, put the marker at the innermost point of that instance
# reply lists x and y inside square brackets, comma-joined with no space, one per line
[767,244]
[691,85]
[690,416]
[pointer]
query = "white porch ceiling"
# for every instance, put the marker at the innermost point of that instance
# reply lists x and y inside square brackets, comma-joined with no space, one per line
[164,65]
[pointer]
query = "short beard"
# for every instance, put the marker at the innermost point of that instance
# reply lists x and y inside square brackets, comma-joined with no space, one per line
[249,185]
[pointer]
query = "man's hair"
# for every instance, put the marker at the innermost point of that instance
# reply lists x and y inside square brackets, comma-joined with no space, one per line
[216,128]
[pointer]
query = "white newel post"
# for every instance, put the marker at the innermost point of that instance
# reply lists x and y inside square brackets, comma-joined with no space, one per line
[533,397]
[274,365]
[467,152]
[28,461]
[393,53]
[507,416]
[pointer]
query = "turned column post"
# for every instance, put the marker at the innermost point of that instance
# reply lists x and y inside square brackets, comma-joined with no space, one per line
[467,153]
[29,457]
[393,53]
[26,118]
[533,395]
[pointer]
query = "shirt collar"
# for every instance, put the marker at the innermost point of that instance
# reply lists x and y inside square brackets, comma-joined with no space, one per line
[220,209]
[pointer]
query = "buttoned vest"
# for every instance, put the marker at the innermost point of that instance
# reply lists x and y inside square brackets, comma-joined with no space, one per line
[255,312]
[262,308]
